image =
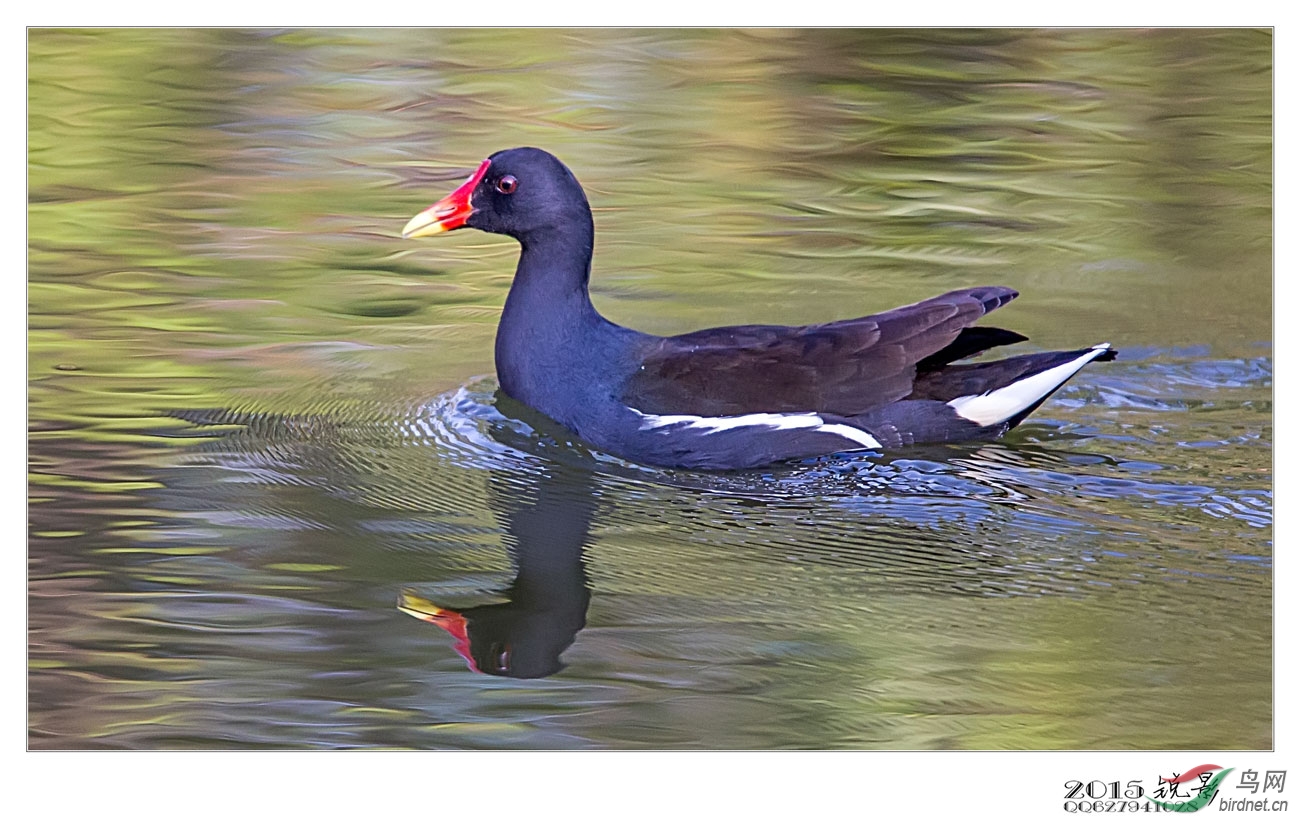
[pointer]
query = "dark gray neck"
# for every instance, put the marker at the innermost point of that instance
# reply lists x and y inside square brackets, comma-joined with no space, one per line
[555,264]
[548,313]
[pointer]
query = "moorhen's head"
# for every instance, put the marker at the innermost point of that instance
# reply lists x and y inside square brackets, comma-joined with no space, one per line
[515,192]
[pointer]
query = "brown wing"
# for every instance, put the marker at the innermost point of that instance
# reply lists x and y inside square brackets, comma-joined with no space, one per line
[845,368]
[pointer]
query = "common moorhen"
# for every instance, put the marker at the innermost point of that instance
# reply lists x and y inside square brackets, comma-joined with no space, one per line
[736,397]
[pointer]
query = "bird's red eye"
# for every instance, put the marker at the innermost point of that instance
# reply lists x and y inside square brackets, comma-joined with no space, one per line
[507,184]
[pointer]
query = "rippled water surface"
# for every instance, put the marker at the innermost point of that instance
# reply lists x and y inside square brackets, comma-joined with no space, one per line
[276,499]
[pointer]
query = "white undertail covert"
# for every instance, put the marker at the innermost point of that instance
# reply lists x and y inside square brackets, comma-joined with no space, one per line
[998,405]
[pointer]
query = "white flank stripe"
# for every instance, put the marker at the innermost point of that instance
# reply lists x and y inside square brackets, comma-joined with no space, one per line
[718,424]
[851,433]
[998,405]
[771,420]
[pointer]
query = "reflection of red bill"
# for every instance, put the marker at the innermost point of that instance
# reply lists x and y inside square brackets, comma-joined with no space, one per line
[453,623]
[1194,772]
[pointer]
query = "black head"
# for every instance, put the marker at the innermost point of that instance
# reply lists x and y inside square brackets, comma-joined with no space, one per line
[516,192]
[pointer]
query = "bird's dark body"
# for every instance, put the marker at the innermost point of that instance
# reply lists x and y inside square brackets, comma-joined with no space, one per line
[741,396]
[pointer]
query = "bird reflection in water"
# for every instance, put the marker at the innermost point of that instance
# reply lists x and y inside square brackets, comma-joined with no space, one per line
[546,519]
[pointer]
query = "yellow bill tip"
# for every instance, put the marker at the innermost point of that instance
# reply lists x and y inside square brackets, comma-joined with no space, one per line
[425,223]
[419,607]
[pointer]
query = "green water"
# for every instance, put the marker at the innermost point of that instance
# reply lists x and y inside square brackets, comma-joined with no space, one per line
[258,418]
